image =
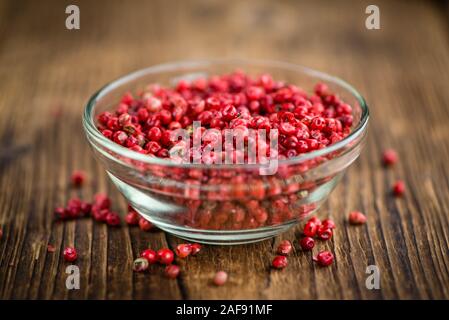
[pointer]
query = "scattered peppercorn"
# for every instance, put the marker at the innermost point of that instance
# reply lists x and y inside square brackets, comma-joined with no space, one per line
[51,248]
[70,254]
[279,262]
[165,256]
[324,233]
[196,248]
[150,255]
[324,258]
[399,188]
[389,157]
[284,248]
[356,217]
[220,278]
[132,218]
[145,225]
[172,271]
[183,250]
[140,265]
[307,243]
[78,178]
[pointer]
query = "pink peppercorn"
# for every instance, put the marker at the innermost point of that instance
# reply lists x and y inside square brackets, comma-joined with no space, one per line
[70,254]
[150,255]
[324,258]
[389,157]
[132,218]
[310,229]
[284,248]
[279,262]
[165,256]
[356,217]
[324,233]
[112,219]
[328,223]
[102,201]
[307,243]
[145,225]
[51,248]
[78,178]
[183,250]
[140,265]
[196,248]
[399,188]
[172,271]
[60,213]
[220,278]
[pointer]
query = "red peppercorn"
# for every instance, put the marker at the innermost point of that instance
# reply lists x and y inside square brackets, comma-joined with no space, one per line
[310,229]
[220,278]
[356,217]
[165,256]
[196,248]
[145,225]
[307,243]
[102,201]
[279,262]
[51,248]
[86,208]
[132,218]
[183,250]
[328,223]
[150,255]
[324,258]
[78,178]
[60,213]
[389,157]
[324,233]
[70,254]
[113,219]
[399,188]
[172,271]
[284,248]
[315,220]
[154,134]
[140,265]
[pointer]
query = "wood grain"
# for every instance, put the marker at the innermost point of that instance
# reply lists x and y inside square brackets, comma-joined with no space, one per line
[47,74]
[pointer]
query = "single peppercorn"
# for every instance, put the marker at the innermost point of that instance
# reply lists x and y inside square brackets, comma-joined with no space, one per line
[399,188]
[112,219]
[172,271]
[284,248]
[183,250]
[220,278]
[307,243]
[140,265]
[324,233]
[279,262]
[51,248]
[389,157]
[70,254]
[328,223]
[132,218]
[310,229]
[150,255]
[196,248]
[78,178]
[145,225]
[324,258]
[165,256]
[356,217]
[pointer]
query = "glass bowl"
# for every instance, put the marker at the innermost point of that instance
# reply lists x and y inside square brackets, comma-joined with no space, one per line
[225,203]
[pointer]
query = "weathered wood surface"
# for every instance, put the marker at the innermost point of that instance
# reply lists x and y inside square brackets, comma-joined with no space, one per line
[48,72]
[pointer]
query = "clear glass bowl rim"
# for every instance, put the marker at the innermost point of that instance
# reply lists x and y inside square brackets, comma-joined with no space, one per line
[93,132]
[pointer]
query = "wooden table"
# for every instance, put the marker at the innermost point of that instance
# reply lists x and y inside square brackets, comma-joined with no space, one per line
[48,72]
